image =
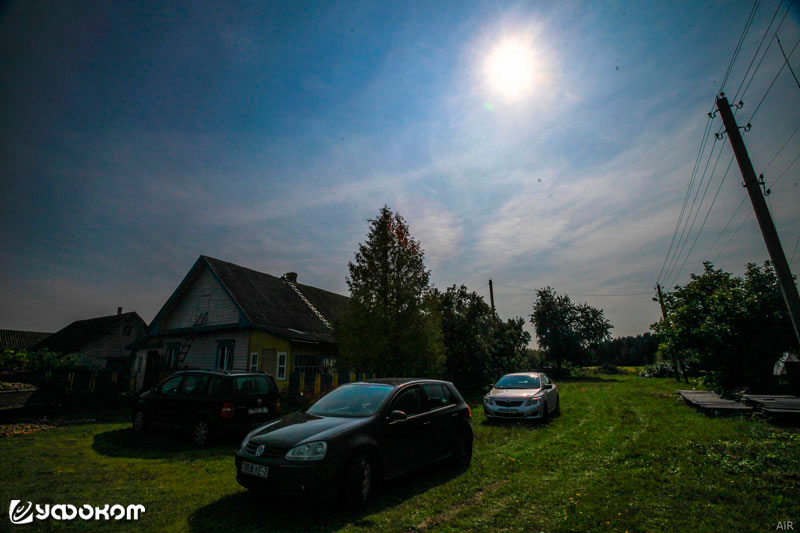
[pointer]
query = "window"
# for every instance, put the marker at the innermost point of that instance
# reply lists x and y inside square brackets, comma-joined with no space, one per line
[171,385]
[253,361]
[224,355]
[408,402]
[172,352]
[280,366]
[214,385]
[195,384]
[253,385]
[126,331]
[436,396]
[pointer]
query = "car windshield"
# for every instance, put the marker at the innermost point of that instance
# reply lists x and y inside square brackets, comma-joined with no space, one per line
[356,400]
[252,385]
[518,382]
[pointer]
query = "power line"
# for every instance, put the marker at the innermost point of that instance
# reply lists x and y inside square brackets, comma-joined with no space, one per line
[569,293]
[773,81]
[722,181]
[777,29]
[787,61]
[760,44]
[795,248]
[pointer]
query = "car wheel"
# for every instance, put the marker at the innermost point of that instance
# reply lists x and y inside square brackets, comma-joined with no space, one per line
[545,414]
[201,432]
[360,481]
[557,410]
[462,449]
[140,421]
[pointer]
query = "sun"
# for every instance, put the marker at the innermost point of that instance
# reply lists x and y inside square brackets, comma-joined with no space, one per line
[511,69]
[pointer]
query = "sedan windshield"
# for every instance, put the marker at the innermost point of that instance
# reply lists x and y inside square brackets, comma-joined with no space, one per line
[518,382]
[356,400]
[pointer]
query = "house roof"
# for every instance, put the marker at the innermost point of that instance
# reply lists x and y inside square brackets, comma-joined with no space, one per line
[270,304]
[81,332]
[12,339]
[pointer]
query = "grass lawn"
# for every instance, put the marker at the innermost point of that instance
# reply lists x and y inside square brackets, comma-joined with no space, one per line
[625,454]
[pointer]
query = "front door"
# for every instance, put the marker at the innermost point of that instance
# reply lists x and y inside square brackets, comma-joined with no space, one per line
[404,443]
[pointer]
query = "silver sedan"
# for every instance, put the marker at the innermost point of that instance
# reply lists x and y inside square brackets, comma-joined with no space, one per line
[523,395]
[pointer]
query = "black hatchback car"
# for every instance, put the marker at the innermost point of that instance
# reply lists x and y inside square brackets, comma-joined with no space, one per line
[208,403]
[356,435]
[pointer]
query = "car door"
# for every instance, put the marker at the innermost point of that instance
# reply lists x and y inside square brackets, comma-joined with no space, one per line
[443,419]
[165,410]
[403,442]
[192,399]
[551,393]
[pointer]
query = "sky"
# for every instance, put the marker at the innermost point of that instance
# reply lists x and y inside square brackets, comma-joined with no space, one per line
[532,143]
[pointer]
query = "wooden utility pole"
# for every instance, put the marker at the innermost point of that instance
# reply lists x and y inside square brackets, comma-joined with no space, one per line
[491,294]
[675,360]
[785,278]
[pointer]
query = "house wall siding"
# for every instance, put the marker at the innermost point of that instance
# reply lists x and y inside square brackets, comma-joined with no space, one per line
[205,293]
[268,346]
[112,344]
[203,352]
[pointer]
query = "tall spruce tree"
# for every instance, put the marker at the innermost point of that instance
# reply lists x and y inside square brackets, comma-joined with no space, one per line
[391,326]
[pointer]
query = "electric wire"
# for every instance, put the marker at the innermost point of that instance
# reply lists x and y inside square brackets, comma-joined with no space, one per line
[760,44]
[777,29]
[773,82]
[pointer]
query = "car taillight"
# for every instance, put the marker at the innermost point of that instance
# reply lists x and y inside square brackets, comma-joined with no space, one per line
[228,410]
[469,411]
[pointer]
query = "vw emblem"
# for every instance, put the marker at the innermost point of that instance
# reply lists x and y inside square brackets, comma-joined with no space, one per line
[258,402]
[259,451]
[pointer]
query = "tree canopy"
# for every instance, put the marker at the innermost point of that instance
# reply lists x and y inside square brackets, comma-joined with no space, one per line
[391,325]
[566,331]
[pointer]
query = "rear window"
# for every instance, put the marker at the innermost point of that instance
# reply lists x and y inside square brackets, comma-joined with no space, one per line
[251,385]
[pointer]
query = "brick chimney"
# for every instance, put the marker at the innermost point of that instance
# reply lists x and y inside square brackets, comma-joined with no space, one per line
[119,311]
[291,277]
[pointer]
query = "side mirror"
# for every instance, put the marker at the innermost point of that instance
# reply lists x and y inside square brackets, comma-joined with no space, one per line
[491,385]
[548,386]
[397,416]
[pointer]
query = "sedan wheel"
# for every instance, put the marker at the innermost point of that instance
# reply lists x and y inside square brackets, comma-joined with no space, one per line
[462,452]
[545,414]
[201,432]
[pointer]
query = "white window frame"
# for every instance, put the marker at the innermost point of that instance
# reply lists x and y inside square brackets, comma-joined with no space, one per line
[223,362]
[253,362]
[281,360]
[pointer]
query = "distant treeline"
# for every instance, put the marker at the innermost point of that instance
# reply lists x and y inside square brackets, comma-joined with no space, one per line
[626,351]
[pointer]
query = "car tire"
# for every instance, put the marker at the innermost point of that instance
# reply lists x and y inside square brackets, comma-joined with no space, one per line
[360,480]
[201,432]
[462,449]
[141,422]
[557,411]
[545,414]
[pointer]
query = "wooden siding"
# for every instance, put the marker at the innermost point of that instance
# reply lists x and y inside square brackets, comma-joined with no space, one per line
[203,353]
[268,347]
[204,293]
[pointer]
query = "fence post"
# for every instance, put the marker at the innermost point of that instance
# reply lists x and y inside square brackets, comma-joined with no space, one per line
[317,384]
[302,386]
[335,379]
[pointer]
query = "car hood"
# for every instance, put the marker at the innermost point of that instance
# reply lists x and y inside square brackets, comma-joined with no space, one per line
[296,428]
[514,393]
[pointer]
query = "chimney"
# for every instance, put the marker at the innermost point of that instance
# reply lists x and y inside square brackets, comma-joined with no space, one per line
[290,277]
[119,311]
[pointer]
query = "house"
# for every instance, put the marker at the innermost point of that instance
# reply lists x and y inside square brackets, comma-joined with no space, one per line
[225,316]
[104,340]
[20,341]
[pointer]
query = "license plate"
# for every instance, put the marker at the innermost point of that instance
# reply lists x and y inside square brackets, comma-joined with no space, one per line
[507,410]
[255,470]
[257,410]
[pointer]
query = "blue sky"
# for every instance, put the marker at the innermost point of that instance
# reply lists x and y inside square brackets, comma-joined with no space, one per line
[137,136]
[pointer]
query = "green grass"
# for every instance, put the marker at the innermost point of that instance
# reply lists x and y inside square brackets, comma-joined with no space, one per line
[625,454]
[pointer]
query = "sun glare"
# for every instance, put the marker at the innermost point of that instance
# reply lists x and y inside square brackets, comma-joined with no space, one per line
[510,68]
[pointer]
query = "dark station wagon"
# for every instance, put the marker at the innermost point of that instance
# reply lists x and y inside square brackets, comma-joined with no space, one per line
[357,435]
[208,403]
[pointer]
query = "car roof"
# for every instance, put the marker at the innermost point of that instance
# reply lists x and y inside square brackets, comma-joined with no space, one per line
[524,374]
[396,382]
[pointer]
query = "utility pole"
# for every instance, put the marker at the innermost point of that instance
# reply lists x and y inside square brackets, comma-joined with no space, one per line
[675,359]
[785,278]
[491,294]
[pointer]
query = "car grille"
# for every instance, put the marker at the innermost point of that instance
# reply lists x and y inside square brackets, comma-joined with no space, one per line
[508,403]
[270,452]
[510,415]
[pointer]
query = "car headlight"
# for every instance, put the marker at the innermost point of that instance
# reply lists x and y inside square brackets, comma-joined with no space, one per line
[532,401]
[313,451]
[488,401]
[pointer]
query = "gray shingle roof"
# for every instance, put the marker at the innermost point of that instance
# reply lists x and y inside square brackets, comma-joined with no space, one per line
[11,339]
[81,332]
[272,305]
